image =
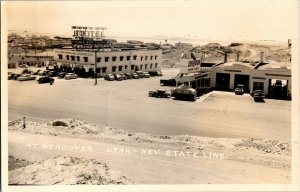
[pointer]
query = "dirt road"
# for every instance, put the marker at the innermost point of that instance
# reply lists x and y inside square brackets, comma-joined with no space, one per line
[146,163]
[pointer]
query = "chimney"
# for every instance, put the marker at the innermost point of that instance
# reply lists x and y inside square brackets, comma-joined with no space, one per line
[225,57]
[261,57]
[238,56]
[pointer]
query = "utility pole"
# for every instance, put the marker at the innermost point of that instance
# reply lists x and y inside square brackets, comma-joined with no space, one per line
[95,66]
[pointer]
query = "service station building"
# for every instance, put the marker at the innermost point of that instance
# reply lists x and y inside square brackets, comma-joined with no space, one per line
[273,78]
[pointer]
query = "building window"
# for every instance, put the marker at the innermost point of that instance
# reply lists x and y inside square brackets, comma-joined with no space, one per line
[128,58]
[146,65]
[104,70]
[114,58]
[142,58]
[134,57]
[73,58]
[85,59]
[151,57]
[141,67]
[98,59]
[113,68]
[98,70]
[106,59]
[155,65]
[78,58]
[146,57]
[155,57]
[120,68]
[132,67]
[68,57]
[151,65]
[121,58]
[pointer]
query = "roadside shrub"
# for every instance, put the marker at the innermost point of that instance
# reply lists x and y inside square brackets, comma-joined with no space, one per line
[59,123]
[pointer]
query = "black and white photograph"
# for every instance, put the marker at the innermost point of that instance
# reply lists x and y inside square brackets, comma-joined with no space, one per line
[150,95]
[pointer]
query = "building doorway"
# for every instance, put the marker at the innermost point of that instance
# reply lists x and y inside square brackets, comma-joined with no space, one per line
[242,79]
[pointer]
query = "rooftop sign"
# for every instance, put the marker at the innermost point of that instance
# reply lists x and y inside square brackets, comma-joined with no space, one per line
[81,32]
[189,66]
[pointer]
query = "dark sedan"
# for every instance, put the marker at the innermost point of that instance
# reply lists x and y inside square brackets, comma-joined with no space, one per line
[45,79]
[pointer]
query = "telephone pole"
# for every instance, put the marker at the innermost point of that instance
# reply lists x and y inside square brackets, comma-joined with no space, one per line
[95,66]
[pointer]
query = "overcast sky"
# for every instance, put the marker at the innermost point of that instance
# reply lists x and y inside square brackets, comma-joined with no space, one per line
[213,19]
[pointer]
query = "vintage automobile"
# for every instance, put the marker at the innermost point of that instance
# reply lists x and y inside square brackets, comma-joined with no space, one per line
[124,77]
[10,75]
[26,77]
[52,73]
[128,75]
[135,76]
[184,93]
[46,79]
[168,82]
[118,77]
[61,75]
[109,77]
[71,76]
[146,75]
[159,94]
[13,76]
[239,90]
[258,95]
[140,74]
[155,73]
[43,73]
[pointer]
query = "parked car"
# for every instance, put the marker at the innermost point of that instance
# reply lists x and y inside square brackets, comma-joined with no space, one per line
[184,93]
[14,76]
[61,75]
[71,76]
[109,77]
[159,94]
[27,71]
[26,77]
[140,74]
[146,75]
[239,90]
[258,95]
[52,73]
[123,76]
[128,75]
[118,77]
[135,76]
[43,73]
[45,79]
[168,82]
[155,73]
[10,75]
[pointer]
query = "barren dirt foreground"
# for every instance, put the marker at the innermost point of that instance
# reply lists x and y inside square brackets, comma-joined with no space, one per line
[71,151]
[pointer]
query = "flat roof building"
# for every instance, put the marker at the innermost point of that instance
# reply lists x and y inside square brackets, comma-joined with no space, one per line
[108,61]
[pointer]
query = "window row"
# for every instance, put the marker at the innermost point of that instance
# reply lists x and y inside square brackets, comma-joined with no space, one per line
[128,58]
[133,67]
[73,58]
[106,59]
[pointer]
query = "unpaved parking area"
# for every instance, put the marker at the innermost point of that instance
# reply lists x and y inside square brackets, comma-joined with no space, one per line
[126,105]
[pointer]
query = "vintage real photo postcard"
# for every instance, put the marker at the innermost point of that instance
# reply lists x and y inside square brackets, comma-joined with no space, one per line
[150,95]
